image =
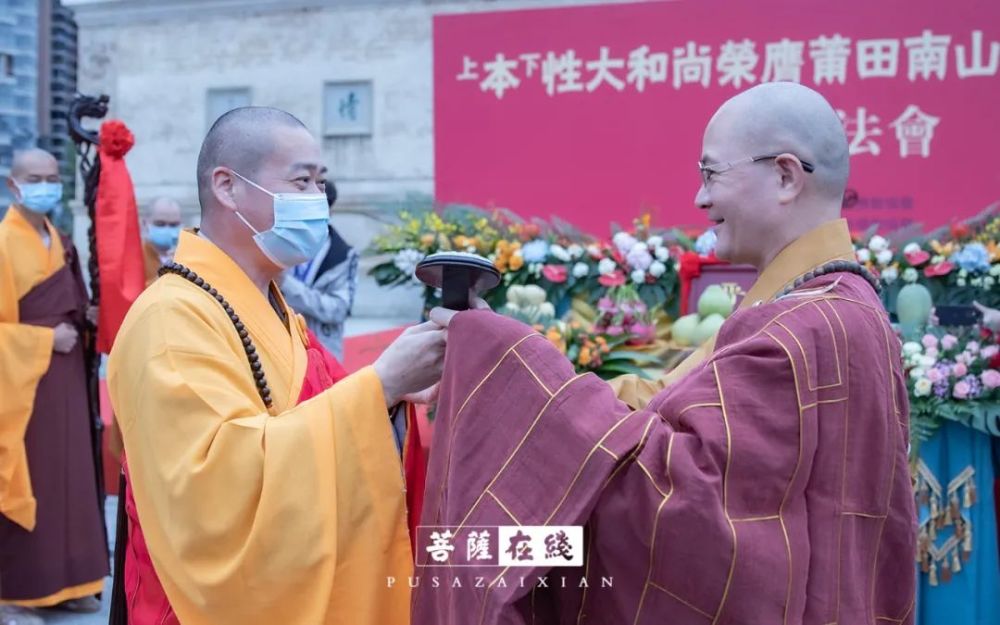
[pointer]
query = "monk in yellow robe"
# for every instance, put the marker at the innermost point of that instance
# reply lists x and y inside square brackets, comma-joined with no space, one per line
[52,545]
[256,493]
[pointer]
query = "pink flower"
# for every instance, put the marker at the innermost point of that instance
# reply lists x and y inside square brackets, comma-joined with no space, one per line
[557,274]
[938,270]
[990,378]
[605,305]
[961,390]
[929,341]
[935,375]
[617,278]
[932,352]
[972,347]
[614,331]
[948,341]
[989,351]
[642,334]
[959,370]
[917,258]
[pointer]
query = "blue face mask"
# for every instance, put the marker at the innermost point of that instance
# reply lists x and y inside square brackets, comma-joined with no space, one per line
[299,230]
[40,197]
[163,237]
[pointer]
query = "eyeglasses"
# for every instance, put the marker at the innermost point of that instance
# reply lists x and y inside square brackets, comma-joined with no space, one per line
[707,171]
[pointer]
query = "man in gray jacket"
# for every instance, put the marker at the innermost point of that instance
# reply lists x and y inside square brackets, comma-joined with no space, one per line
[322,290]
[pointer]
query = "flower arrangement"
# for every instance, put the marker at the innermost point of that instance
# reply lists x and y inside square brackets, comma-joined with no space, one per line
[951,376]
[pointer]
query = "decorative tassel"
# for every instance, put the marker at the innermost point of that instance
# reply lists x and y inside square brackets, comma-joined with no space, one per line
[945,572]
[947,516]
[925,563]
[934,507]
[960,529]
[967,543]
[955,510]
[970,494]
[932,527]
[933,575]
[956,562]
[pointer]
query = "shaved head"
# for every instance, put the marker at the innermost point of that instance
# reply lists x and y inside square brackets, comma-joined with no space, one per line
[34,162]
[788,117]
[240,140]
[164,209]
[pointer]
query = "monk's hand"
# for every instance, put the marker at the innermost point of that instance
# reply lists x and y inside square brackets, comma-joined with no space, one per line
[65,338]
[412,363]
[426,396]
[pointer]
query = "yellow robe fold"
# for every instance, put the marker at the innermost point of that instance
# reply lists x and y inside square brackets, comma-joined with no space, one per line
[293,515]
[828,242]
[25,354]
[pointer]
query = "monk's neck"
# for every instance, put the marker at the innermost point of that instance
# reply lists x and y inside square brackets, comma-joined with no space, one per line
[260,271]
[37,221]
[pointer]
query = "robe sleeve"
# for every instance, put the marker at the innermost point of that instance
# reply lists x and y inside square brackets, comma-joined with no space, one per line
[251,517]
[25,353]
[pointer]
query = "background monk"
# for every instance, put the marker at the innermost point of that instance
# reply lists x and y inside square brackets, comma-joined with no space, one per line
[52,544]
[768,485]
[162,229]
[256,492]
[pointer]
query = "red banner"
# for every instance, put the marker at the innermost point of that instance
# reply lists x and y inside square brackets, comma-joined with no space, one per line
[596,113]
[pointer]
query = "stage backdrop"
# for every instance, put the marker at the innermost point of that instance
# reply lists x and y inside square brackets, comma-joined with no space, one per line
[596,113]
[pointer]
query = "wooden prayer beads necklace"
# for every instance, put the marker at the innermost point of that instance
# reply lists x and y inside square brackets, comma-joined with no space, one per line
[252,357]
[837,266]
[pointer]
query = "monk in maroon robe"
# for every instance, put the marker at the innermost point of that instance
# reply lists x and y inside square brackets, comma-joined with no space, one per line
[768,484]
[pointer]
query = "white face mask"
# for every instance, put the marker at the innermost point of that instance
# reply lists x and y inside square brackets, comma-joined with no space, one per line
[301,226]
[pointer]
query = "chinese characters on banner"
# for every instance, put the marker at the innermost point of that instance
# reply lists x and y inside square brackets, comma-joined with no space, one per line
[554,112]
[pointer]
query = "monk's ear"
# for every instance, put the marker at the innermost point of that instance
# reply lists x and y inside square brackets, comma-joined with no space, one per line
[791,177]
[224,187]
[11,186]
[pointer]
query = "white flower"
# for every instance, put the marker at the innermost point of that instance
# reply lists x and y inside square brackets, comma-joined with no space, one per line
[559,253]
[927,362]
[624,242]
[639,276]
[878,244]
[995,271]
[962,273]
[922,388]
[580,270]
[911,248]
[606,266]
[910,275]
[654,241]
[864,255]
[884,257]
[662,254]
[638,257]
[889,274]
[575,251]
[917,373]
[988,282]
[960,282]
[976,282]
[406,260]
[937,259]
[546,309]
[912,347]
[594,251]
[657,269]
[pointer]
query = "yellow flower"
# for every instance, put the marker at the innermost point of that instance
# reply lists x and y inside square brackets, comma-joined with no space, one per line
[427,240]
[516,262]
[586,357]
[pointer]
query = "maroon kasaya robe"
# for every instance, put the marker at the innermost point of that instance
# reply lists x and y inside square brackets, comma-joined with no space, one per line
[769,485]
[68,546]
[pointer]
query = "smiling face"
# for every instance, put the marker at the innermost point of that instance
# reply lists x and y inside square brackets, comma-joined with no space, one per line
[775,165]
[741,200]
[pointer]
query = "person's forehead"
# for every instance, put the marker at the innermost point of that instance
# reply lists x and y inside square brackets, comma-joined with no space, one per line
[164,209]
[293,149]
[38,167]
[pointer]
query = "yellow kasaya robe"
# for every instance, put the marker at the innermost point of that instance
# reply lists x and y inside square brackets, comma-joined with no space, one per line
[828,242]
[53,543]
[25,353]
[293,515]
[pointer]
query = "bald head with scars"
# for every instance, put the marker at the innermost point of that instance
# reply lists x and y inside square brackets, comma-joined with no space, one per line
[774,166]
